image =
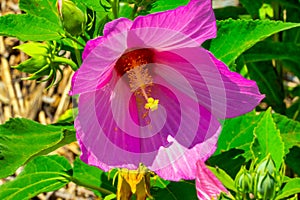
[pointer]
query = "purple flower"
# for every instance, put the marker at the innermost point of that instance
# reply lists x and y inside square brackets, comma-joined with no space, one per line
[150,94]
[208,186]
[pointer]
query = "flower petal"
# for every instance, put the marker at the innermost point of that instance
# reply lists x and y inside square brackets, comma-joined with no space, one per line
[207,185]
[184,167]
[196,21]
[242,95]
[111,28]
[90,45]
[195,65]
[92,74]
[117,26]
[224,93]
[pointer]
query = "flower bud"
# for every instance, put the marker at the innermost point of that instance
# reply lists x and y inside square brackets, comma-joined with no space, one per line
[34,49]
[266,11]
[243,181]
[72,17]
[265,183]
[266,165]
[266,186]
[34,65]
[39,62]
[44,61]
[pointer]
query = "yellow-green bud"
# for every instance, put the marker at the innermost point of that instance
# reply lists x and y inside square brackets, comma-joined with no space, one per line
[34,65]
[34,49]
[40,55]
[44,61]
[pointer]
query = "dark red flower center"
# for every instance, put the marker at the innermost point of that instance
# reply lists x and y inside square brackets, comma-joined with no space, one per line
[132,59]
[136,66]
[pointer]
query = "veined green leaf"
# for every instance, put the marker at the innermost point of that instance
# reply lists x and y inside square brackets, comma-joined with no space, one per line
[289,130]
[23,139]
[236,36]
[29,27]
[238,133]
[292,187]
[225,179]
[162,5]
[267,50]
[268,140]
[46,9]
[93,176]
[42,174]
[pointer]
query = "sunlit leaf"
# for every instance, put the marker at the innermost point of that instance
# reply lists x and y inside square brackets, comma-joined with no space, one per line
[236,36]
[23,139]
[46,9]
[292,187]
[29,27]
[162,5]
[42,174]
[90,175]
[268,140]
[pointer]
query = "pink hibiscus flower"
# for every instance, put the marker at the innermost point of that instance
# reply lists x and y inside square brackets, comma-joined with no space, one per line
[150,94]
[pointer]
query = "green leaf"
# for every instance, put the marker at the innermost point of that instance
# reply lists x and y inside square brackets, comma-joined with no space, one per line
[267,50]
[236,36]
[91,176]
[292,187]
[43,174]
[125,10]
[230,161]
[289,130]
[226,180]
[268,140]
[158,182]
[162,5]
[176,191]
[46,9]
[28,27]
[238,133]
[22,139]
[92,4]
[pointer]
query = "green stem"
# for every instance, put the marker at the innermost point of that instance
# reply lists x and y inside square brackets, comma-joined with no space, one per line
[68,35]
[115,8]
[133,11]
[72,64]
[77,53]
[102,190]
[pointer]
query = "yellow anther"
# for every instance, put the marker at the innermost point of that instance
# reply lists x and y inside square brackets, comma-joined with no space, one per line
[152,104]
